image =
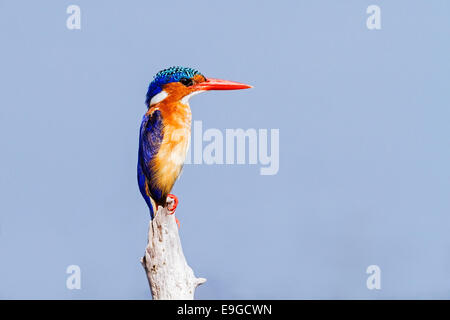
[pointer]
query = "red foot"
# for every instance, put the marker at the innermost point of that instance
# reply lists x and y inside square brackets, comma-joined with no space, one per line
[172,206]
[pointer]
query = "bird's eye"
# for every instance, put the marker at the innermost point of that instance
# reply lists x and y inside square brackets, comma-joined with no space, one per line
[187,82]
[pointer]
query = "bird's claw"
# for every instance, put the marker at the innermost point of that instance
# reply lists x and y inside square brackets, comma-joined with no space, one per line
[172,203]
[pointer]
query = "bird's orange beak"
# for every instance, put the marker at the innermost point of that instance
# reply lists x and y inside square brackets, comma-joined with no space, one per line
[217,84]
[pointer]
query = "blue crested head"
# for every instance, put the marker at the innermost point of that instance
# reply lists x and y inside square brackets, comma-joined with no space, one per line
[172,74]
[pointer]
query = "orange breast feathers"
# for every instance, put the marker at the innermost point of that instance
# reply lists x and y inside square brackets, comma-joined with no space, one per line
[176,115]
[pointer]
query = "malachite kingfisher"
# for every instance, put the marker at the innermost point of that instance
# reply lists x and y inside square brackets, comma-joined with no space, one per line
[166,129]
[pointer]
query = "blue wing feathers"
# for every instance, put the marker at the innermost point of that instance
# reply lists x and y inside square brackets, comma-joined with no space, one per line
[150,138]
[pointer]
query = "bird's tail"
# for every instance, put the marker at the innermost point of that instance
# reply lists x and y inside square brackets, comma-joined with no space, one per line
[152,206]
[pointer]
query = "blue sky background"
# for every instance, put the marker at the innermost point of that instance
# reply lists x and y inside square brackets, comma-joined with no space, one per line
[364,147]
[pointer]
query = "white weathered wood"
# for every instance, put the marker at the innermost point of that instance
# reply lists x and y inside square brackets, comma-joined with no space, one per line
[168,274]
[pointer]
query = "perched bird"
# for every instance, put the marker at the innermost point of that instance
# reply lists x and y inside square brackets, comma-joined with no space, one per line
[166,129]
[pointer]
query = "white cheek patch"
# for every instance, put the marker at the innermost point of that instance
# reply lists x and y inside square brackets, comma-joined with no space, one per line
[158,98]
[185,99]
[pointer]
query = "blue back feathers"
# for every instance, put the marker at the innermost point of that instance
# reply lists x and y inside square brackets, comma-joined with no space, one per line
[172,74]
